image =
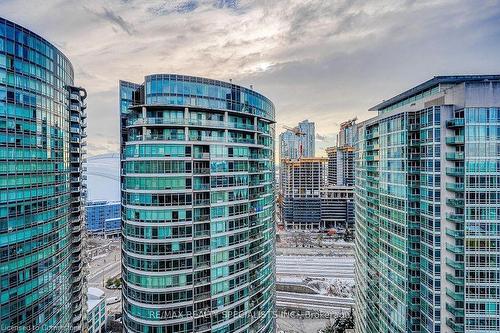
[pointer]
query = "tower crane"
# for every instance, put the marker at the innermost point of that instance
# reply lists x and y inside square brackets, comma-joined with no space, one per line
[298,133]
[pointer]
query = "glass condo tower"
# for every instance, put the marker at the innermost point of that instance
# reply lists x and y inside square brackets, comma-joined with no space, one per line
[42,138]
[428,209]
[197,175]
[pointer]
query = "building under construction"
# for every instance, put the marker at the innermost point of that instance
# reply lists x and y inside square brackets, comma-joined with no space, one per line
[341,157]
[308,201]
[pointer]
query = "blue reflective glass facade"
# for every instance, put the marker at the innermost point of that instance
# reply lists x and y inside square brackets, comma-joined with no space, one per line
[197,206]
[41,130]
[99,212]
[427,209]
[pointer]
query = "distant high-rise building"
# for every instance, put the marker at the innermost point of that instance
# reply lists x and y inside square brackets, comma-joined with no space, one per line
[103,217]
[341,157]
[198,206]
[42,138]
[340,166]
[308,202]
[288,145]
[307,140]
[427,209]
[294,145]
[302,182]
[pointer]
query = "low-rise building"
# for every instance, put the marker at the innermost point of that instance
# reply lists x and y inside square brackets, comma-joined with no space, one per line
[96,310]
[103,217]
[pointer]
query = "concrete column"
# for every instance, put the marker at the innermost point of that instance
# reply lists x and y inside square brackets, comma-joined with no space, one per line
[186,120]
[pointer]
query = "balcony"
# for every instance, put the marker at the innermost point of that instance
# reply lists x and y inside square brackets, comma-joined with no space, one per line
[455,233]
[455,171]
[457,249]
[457,203]
[74,96]
[198,155]
[455,187]
[414,142]
[201,202]
[75,189]
[202,218]
[457,156]
[457,328]
[374,146]
[413,169]
[457,312]
[456,296]
[241,126]
[201,187]
[201,248]
[202,234]
[371,135]
[457,218]
[201,171]
[459,265]
[456,122]
[455,140]
[458,281]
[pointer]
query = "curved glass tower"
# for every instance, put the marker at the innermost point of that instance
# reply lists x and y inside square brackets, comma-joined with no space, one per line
[197,206]
[42,130]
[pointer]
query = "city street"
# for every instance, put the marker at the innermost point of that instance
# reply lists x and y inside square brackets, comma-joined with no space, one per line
[106,265]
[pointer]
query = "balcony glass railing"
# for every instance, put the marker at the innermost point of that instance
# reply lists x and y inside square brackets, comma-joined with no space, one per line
[455,171]
[455,140]
[457,249]
[455,156]
[455,217]
[456,122]
[456,187]
[455,264]
[459,281]
[458,203]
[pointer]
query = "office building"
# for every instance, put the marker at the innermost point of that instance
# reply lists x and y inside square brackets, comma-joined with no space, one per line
[427,209]
[341,156]
[307,141]
[197,205]
[103,217]
[340,166]
[298,142]
[96,310]
[42,138]
[288,145]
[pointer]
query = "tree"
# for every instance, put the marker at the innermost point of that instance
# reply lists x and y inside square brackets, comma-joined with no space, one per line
[340,323]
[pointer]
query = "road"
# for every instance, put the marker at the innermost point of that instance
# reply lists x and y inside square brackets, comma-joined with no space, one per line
[313,301]
[104,266]
[315,267]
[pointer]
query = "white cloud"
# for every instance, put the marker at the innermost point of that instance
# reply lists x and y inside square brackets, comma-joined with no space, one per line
[323,60]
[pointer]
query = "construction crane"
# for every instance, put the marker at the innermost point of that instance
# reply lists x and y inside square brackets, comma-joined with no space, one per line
[297,132]
[348,123]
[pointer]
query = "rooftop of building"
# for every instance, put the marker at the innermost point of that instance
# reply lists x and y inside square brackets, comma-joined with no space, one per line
[94,297]
[102,203]
[304,160]
[435,81]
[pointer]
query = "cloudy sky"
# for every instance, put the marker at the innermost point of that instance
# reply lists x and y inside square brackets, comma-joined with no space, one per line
[324,60]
